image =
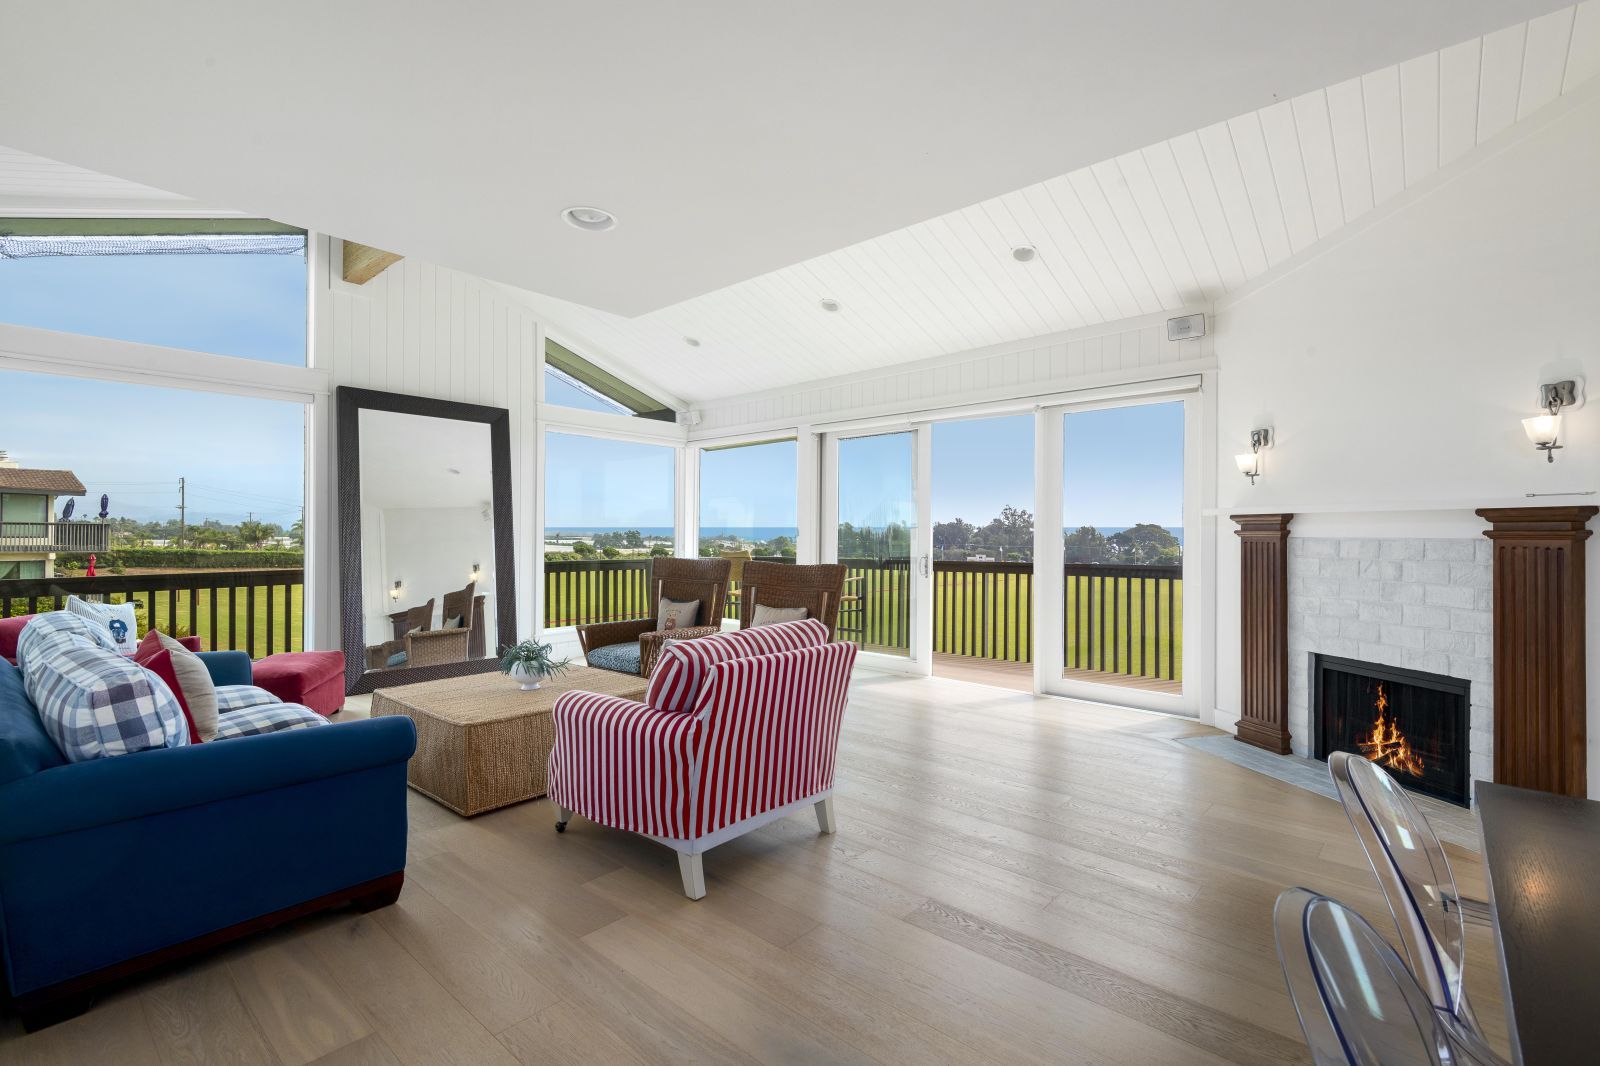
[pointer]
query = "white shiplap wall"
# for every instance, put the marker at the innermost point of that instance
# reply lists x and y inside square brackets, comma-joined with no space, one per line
[428,331]
[1125,351]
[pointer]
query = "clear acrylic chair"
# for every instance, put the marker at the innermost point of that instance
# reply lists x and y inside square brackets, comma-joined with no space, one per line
[1411,868]
[1357,1002]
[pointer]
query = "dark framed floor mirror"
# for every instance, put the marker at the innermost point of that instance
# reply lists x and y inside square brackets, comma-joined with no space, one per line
[427,585]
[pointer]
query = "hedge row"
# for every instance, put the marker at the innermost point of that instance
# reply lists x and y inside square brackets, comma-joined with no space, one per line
[193,558]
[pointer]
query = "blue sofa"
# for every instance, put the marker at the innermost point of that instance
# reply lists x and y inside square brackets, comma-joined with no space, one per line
[113,866]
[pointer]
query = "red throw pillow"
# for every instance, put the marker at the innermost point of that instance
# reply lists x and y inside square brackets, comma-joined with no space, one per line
[147,647]
[160,664]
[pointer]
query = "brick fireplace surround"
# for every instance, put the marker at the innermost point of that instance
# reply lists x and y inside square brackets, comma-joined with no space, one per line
[1505,613]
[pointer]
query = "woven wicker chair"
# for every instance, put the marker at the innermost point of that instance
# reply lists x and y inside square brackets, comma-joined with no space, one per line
[469,608]
[408,621]
[818,588]
[705,580]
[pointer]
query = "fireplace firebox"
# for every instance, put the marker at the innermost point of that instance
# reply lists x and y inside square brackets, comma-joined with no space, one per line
[1413,724]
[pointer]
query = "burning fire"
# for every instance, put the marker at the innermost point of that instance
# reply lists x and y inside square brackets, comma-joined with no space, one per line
[1386,745]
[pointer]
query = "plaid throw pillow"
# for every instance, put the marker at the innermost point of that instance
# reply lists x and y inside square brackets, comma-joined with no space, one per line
[93,702]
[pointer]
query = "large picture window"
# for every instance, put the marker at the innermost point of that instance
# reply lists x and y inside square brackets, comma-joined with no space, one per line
[189,504]
[225,286]
[610,505]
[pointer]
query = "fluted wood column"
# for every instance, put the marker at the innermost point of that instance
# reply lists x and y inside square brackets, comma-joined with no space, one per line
[1540,733]
[1264,630]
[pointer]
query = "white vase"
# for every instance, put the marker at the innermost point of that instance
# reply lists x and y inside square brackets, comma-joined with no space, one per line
[527,682]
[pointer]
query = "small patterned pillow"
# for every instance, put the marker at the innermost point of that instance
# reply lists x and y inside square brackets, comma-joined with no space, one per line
[766,616]
[677,614]
[117,619]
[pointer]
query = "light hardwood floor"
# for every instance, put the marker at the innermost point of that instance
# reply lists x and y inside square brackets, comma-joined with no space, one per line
[1013,880]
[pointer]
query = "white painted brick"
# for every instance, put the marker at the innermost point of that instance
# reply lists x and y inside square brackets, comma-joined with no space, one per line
[1340,608]
[1349,649]
[1406,592]
[1401,636]
[1343,569]
[1355,629]
[1447,640]
[1305,567]
[1485,551]
[1316,547]
[1434,662]
[1400,549]
[1322,625]
[1450,596]
[1473,575]
[1358,548]
[1417,614]
[1386,654]
[1321,586]
[1483,599]
[1380,611]
[1434,573]
[1470,667]
[1379,570]
[1455,551]
[1471,621]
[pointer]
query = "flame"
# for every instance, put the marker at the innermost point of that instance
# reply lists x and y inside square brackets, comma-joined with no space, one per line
[1386,745]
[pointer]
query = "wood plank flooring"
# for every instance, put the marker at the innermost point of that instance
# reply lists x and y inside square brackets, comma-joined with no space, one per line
[1014,880]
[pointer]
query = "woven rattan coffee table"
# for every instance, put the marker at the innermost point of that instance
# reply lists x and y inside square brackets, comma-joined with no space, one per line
[482,742]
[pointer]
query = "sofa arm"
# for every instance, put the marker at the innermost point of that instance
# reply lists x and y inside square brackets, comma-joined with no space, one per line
[623,764]
[99,792]
[227,667]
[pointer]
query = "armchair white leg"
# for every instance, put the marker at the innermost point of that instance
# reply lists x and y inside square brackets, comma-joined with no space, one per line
[694,875]
[825,820]
[563,816]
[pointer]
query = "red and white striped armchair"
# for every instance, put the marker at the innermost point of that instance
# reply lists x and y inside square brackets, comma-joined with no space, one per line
[736,730]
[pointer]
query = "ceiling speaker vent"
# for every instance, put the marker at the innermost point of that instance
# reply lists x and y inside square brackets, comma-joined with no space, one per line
[1186,328]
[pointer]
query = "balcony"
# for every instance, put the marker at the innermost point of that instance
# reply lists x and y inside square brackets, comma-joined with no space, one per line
[1123,624]
[256,611]
[86,536]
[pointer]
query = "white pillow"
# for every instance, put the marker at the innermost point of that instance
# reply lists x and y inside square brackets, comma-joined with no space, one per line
[766,616]
[117,619]
[676,614]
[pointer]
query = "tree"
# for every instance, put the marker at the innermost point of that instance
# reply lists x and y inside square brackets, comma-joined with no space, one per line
[297,532]
[254,533]
[1086,544]
[954,535]
[1011,533]
[611,551]
[1145,544]
[582,549]
[661,551]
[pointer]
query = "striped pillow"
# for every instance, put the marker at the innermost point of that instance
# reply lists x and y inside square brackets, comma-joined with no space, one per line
[781,636]
[682,668]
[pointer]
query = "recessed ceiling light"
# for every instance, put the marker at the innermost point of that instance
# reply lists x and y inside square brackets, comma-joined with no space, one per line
[828,303]
[1024,253]
[592,219]
[693,342]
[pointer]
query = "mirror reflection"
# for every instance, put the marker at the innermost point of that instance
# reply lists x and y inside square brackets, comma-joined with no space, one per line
[427,540]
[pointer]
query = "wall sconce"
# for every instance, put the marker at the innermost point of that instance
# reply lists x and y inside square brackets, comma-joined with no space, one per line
[477,572]
[394,593]
[1249,463]
[1544,430]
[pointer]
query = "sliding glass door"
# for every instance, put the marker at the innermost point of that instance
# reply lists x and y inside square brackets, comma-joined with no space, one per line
[1117,607]
[878,529]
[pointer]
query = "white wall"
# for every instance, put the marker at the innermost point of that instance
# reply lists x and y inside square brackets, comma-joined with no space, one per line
[430,550]
[428,331]
[1395,365]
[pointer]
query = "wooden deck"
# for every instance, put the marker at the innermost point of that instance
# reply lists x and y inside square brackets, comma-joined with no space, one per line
[1014,880]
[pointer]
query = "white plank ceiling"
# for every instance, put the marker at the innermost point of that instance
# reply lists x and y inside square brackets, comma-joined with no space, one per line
[1174,225]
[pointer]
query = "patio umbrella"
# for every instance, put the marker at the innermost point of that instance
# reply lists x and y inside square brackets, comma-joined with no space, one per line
[105,506]
[66,512]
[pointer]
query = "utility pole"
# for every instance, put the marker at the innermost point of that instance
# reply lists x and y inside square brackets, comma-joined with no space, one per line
[183,514]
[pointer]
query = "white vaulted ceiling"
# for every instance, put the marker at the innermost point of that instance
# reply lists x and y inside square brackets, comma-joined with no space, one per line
[1173,225]
[729,138]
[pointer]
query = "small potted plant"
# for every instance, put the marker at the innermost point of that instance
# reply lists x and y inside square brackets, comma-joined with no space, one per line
[530,663]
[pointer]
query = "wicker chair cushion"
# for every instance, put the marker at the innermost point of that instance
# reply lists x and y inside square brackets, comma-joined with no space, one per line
[766,616]
[676,614]
[623,658]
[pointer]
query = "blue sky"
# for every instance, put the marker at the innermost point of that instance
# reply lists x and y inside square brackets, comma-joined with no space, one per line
[749,486]
[590,481]
[134,441]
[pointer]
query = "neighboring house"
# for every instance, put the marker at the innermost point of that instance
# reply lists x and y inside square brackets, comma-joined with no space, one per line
[29,534]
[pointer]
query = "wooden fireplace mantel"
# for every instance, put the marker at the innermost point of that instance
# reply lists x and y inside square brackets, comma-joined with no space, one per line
[1540,732]
[1264,630]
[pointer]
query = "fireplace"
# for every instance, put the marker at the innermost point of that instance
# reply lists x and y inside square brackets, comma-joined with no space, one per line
[1411,723]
